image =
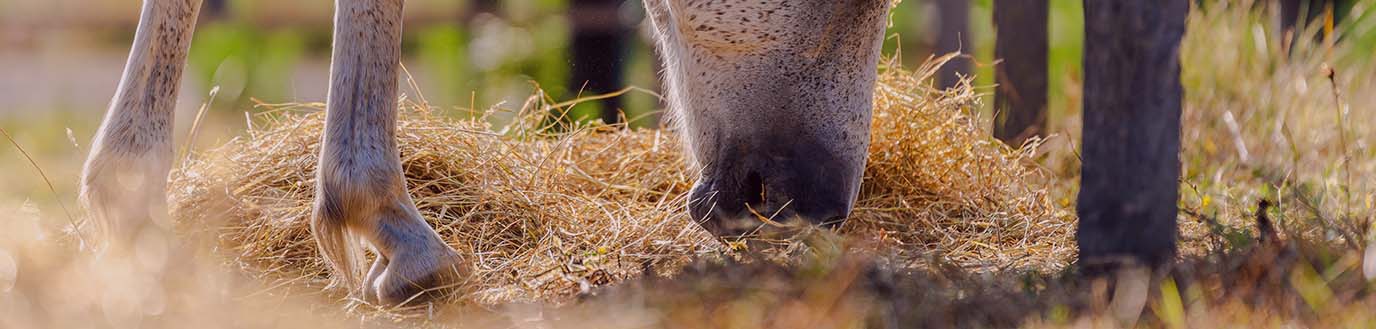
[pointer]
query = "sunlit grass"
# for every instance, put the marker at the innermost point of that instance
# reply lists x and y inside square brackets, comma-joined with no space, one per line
[1307,141]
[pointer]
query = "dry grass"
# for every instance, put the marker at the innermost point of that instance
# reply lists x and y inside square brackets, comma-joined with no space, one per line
[547,216]
[1265,123]
[953,230]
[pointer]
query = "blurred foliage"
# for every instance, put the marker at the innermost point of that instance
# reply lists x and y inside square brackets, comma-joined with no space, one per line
[464,59]
[245,61]
[498,57]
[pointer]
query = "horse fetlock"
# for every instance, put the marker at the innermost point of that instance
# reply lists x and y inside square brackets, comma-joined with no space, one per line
[125,193]
[333,222]
[345,194]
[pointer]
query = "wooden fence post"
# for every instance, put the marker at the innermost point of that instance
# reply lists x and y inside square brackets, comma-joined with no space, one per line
[1129,179]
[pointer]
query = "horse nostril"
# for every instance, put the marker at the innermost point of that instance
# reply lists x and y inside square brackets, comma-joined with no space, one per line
[753,190]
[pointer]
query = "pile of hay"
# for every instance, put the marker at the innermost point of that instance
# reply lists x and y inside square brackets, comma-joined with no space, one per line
[546,216]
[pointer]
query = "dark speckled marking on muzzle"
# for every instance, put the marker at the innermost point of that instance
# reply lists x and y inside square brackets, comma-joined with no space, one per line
[773,99]
[790,182]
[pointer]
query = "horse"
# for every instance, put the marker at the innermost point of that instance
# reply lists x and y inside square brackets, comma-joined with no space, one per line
[773,99]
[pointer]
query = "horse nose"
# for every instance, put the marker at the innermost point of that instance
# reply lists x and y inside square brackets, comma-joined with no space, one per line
[771,199]
[754,192]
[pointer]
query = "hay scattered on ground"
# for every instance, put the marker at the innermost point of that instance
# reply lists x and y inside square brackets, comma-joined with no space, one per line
[546,216]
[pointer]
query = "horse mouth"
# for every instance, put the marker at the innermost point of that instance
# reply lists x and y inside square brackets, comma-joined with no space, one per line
[762,221]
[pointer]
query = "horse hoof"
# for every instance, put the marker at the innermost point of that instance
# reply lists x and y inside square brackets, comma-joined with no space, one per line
[419,278]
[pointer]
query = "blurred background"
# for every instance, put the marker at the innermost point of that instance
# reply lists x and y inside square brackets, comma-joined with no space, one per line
[60,61]
[66,55]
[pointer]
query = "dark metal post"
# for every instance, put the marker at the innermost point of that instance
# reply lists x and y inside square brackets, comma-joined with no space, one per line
[215,9]
[598,51]
[954,36]
[1289,17]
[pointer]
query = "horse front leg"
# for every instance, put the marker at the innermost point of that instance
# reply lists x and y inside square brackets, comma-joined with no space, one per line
[360,187]
[124,180]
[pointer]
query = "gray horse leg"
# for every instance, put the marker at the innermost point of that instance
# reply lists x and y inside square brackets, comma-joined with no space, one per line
[124,180]
[360,188]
